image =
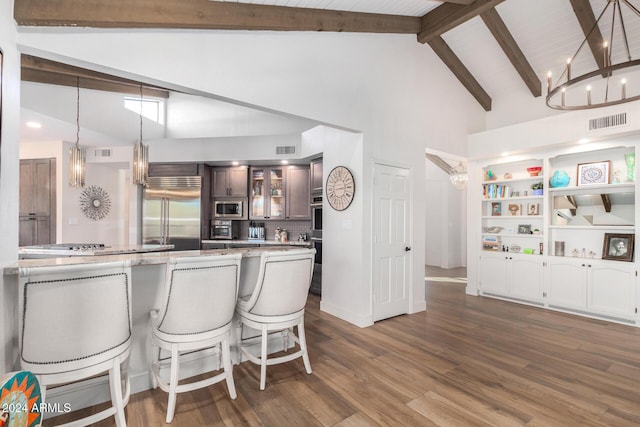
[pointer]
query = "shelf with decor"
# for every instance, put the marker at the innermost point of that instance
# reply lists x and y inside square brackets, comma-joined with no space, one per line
[593,205]
[511,214]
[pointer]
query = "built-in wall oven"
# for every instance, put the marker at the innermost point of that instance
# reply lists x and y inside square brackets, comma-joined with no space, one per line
[316,242]
[316,216]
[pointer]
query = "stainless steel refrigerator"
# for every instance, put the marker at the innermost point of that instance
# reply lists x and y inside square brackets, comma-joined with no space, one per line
[171,212]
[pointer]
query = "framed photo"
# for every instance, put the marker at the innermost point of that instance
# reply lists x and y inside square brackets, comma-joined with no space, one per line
[533,209]
[496,208]
[594,173]
[524,229]
[618,247]
[514,209]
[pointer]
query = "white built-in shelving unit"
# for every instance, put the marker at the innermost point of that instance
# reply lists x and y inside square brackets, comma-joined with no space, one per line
[552,249]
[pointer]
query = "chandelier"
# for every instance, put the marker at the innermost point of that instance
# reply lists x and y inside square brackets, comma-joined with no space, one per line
[140,155]
[77,154]
[610,83]
[459,177]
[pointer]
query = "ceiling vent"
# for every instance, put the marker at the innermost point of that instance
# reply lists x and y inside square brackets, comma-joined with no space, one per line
[608,121]
[104,152]
[286,149]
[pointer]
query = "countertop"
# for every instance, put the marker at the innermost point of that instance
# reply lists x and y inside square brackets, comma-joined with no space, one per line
[257,242]
[108,250]
[142,258]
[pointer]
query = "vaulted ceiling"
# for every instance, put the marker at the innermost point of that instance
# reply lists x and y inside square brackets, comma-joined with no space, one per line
[532,35]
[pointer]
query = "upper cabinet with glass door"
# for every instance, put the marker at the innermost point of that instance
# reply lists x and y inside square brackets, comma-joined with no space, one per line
[267,193]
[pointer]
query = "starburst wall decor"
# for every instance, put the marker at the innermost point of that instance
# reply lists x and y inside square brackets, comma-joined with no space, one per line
[95,202]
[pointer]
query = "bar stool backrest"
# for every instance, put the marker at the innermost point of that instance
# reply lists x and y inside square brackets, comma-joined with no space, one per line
[283,283]
[72,317]
[200,294]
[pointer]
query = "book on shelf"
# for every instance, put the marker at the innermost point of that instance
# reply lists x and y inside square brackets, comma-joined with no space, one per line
[491,243]
[496,191]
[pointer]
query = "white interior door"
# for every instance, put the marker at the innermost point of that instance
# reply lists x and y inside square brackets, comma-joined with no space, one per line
[391,241]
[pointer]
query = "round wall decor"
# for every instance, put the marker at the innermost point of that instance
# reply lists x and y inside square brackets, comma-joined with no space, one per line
[95,202]
[340,188]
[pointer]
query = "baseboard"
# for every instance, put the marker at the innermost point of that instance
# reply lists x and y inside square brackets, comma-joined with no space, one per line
[360,321]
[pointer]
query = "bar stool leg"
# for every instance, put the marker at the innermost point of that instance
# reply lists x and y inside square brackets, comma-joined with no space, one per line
[115,383]
[263,358]
[303,346]
[228,368]
[173,383]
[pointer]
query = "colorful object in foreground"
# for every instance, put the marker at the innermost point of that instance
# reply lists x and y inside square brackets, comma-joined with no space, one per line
[20,400]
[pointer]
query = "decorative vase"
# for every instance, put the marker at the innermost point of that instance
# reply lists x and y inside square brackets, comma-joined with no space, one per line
[630,160]
[559,179]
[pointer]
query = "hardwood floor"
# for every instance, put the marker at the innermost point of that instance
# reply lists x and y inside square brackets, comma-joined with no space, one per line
[466,361]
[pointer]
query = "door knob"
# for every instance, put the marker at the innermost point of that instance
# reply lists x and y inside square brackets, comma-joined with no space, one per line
[407,248]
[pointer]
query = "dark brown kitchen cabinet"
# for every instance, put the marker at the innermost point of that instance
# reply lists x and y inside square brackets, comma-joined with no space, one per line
[37,202]
[316,176]
[230,182]
[297,193]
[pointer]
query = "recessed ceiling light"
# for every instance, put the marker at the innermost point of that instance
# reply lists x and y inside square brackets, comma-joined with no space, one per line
[284,162]
[505,154]
[34,125]
[235,163]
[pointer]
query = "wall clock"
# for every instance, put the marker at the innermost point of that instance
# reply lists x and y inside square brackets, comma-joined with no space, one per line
[340,188]
[95,202]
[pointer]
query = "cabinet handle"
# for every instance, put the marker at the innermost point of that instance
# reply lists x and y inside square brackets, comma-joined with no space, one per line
[407,248]
[583,265]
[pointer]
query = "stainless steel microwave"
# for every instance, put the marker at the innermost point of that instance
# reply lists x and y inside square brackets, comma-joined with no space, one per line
[229,209]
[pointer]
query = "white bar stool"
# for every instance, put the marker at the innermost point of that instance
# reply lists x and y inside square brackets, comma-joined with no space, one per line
[75,323]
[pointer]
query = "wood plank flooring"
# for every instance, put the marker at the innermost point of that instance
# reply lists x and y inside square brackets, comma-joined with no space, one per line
[466,361]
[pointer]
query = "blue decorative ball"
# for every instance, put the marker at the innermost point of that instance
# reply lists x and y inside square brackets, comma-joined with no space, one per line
[559,179]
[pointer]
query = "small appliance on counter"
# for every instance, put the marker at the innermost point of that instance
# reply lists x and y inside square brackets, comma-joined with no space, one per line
[224,229]
[256,231]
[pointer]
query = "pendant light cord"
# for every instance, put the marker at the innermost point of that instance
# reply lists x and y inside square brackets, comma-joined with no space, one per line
[77,111]
[141,113]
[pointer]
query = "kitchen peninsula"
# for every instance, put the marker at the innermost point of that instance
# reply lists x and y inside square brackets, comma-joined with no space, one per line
[81,249]
[148,273]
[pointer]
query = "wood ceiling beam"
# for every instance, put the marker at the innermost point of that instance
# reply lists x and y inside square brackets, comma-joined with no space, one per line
[501,33]
[40,70]
[467,2]
[587,20]
[460,71]
[448,16]
[204,14]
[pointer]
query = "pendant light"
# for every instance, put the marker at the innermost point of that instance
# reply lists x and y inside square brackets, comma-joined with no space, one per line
[77,154]
[140,156]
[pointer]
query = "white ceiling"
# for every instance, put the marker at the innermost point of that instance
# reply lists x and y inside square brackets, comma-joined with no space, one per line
[547,32]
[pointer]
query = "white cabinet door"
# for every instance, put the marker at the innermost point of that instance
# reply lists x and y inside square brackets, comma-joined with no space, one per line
[525,277]
[567,283]
[611,290]
[493,274]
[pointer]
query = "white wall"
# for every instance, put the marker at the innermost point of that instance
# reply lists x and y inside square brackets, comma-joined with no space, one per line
[9,165]
[390,88]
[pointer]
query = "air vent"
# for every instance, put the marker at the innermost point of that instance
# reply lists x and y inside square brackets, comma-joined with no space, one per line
[286,149]
[103,152]
[608,121]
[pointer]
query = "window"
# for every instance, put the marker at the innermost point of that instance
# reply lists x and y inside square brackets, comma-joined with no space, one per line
[151,109]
